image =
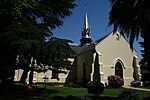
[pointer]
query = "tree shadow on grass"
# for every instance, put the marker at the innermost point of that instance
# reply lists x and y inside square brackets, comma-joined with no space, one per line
[19,92]
[69,97]
[104,98]
[43,92]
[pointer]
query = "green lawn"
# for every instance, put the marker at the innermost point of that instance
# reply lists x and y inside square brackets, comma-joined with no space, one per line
[54,91]
[63,93]
[146,87]
[114,93]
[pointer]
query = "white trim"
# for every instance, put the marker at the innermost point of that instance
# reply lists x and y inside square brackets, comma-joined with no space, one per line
[101,64]
[99,53]
[136,56]
[121,62]
[102,73]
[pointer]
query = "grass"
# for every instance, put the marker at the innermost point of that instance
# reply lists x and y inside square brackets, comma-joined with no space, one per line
[55,91]
[63,93]
[114,92]
[146,87]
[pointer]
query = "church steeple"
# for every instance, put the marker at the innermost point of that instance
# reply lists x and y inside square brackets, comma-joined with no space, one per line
[86,34]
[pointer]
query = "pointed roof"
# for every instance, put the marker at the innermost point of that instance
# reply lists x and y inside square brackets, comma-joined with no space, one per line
[86,35]
[86,26]
[76,48]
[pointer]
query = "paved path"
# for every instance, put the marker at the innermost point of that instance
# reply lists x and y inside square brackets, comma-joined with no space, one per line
[129,87]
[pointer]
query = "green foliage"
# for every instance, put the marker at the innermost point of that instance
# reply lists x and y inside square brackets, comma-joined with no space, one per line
[128,94]
[25,27]
[56,52]
[115,81]
[129,16]
[135,83]
[96,88]
[143,63]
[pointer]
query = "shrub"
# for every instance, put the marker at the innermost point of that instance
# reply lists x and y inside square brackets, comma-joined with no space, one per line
[115,81]
[128,94]
[96,88]
[135,83]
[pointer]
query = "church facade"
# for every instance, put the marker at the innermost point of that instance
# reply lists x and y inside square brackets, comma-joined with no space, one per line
[95,61]
[110,55]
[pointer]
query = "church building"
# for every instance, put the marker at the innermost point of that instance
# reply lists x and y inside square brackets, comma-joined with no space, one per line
[110,55]
[95,60]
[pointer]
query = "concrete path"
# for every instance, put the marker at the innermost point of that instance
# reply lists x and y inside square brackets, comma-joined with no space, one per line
[137,88]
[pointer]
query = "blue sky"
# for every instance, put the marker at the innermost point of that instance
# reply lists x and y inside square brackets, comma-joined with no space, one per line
[98,17]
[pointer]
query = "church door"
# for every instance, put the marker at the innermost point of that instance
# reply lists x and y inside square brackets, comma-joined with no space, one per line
[118,69]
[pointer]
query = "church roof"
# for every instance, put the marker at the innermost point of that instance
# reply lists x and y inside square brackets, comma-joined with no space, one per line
[86,49]
[76,48]
[82,49]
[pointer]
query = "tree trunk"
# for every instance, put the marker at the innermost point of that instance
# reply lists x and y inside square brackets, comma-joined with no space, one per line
[31,77]
[31,72]
[24,76]
[26,68]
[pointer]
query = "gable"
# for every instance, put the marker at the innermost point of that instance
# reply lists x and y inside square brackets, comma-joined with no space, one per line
[115,46]
[115,37]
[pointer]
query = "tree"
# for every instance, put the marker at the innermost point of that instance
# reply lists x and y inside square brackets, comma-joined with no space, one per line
[25,25]
[56,53]
[142,62]
[132,17]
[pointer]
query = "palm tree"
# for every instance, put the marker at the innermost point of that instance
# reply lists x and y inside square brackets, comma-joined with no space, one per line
[132,17]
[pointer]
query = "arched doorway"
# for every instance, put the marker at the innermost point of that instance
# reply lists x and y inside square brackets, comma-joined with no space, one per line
[118,69]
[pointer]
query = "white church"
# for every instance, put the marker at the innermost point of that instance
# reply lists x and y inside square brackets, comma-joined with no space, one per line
[110,55]
[95,61]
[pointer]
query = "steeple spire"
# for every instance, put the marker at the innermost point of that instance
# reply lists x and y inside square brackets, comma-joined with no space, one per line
[86,35]
[86,26]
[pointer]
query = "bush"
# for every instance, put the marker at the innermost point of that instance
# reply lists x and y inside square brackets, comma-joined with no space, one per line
[128,94]
[115,81]
[135,83]
[96,88]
